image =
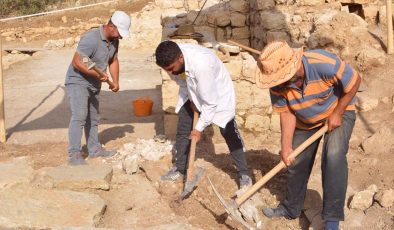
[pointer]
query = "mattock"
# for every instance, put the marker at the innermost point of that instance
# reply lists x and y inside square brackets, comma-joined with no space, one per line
[192,178]
[92,65]
[233,205]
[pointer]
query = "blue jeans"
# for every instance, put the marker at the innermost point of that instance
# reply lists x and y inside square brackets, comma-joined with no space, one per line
[84,105]
[333,165]
[230,133]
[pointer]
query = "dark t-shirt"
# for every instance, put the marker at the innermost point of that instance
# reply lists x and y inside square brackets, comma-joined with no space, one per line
[93,45]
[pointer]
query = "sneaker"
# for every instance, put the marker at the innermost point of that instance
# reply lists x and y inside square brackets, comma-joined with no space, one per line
[102,153]
[172,175]
[76,159]
[280,211]
[245,181]
[331,225]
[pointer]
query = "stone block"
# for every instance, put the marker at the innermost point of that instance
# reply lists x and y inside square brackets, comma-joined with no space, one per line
[237,19]
[81,177]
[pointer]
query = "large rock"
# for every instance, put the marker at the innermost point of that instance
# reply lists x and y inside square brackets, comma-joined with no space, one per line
[369,57]
[363,199]
[366,102]
[238,19]
[25,207]
[380,142]
[16,171]
[81,177]
[385,197]
[239,5]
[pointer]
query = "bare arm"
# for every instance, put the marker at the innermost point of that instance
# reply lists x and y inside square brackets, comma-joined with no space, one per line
[80,66]
[114,71]
[287,124]
[335,119]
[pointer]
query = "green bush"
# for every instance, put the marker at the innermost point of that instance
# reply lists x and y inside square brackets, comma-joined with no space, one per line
[23,7]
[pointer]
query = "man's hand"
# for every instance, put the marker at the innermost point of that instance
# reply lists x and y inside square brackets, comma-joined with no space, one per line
[285,153]
[103,77]
[334,121]
[195,134]
[115,88]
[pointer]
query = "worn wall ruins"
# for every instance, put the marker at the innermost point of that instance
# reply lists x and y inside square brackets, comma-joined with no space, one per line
[343,27]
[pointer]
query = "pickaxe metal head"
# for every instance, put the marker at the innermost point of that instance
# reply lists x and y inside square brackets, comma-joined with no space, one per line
[231,208]
[191,185]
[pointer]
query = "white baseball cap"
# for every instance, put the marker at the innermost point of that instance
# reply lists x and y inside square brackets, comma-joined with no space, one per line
[122,21]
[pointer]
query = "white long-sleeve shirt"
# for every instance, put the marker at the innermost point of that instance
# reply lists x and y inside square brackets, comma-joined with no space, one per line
[208,85]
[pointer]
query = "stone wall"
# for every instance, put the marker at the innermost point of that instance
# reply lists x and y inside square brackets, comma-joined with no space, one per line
[341,27]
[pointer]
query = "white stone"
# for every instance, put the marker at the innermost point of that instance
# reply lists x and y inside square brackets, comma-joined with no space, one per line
[363,199]
[130,164]
[81,177]
[385,197]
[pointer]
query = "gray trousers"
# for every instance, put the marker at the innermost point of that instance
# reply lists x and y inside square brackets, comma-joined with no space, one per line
[230,134]
[84,105]
[333,165]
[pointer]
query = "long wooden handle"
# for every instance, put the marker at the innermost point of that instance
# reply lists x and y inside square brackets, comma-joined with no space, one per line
[389,16]
[240,200]
[110,83]
[2,112]
[244,47]
[192,153]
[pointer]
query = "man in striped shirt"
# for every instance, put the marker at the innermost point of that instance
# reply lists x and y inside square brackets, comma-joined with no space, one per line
[310,89]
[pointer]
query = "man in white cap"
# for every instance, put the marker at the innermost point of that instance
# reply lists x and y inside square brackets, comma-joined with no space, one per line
[83,85]
[309,89]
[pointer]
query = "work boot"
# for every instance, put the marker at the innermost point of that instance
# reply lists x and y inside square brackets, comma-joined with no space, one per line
[76,159]
[102,153]
[331,225]
[172,175]
[244,181]
[280,211]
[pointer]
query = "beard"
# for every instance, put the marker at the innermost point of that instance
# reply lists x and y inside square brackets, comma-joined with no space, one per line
[180,71]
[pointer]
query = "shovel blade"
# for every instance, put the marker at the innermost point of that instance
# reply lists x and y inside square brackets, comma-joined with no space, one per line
[192,184]
[231,208]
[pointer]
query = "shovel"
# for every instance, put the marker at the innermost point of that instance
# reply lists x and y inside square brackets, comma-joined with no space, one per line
[233,205]
[191,177]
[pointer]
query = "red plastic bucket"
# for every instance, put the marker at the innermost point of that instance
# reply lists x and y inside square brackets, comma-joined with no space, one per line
[142,106]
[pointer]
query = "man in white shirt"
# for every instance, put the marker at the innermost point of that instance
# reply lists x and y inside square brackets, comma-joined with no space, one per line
[205,86]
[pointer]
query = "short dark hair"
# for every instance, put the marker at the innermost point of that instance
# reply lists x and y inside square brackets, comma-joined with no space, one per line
[166,53]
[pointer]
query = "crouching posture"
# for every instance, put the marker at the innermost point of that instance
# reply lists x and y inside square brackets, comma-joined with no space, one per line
[310,89]
[205,87]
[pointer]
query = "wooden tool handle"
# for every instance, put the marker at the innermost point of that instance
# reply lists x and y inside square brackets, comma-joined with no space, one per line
[192,153]
[240,200]
[244,47]
[110,83]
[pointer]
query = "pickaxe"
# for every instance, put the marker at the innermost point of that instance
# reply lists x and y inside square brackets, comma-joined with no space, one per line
[191,177]
[92,65]
[233,205]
